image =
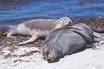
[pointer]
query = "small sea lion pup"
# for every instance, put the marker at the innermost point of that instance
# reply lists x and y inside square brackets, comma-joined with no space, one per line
[65,41]
[38,27]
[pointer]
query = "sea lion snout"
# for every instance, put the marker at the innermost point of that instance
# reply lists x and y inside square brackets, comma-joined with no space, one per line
[64,21]
[49,55]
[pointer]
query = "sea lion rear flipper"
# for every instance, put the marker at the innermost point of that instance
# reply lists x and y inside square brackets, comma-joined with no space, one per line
[88,39]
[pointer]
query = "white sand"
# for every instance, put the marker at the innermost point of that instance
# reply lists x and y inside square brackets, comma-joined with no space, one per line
[87,59]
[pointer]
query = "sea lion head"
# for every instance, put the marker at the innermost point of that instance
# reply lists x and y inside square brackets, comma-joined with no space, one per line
[49,55]
[63,21]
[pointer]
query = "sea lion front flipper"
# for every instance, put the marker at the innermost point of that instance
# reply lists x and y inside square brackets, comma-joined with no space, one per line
[32,39]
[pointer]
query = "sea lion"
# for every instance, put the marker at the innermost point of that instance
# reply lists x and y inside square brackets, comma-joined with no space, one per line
[65,41]
[38,27]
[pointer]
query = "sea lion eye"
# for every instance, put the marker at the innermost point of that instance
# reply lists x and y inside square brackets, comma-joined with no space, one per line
[63,21]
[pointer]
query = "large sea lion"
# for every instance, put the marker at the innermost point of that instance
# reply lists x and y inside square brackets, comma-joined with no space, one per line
[38,27]
[65,41]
